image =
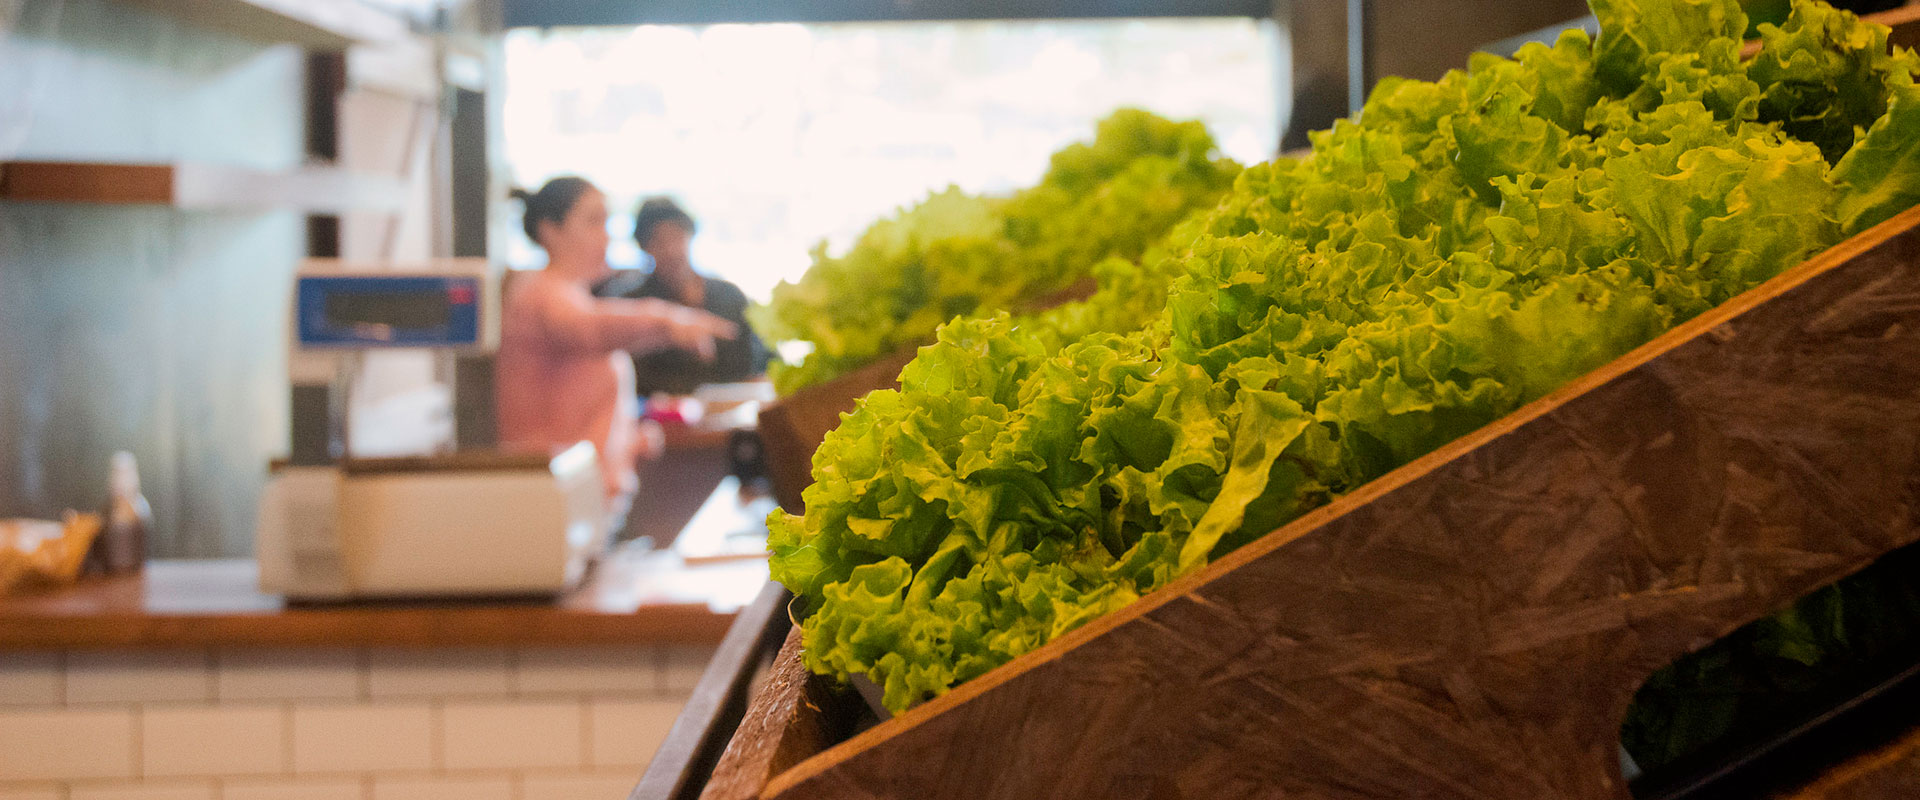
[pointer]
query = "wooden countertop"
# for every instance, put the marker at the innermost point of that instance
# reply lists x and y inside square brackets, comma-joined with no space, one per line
[216,603]
[633,596]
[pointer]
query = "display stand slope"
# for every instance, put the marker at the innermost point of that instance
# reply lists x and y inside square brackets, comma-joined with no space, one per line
[1473,624]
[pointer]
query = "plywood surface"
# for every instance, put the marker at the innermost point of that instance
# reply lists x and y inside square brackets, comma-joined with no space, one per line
[1474,624]
[799,717]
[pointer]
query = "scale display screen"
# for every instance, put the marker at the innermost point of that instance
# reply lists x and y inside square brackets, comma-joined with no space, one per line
[388,311]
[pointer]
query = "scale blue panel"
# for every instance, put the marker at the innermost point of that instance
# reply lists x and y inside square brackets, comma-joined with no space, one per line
[356,311]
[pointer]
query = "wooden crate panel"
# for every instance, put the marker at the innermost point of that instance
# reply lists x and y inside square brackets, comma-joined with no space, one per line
[1475,624]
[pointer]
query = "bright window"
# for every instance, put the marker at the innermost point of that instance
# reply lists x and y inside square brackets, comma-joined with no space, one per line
[778,136]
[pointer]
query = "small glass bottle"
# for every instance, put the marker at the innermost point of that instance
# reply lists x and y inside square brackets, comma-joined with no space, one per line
[126,520]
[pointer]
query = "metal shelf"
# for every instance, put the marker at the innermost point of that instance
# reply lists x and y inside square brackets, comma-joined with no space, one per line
[312,24]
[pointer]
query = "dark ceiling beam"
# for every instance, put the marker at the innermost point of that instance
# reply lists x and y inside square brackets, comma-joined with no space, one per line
[547,13]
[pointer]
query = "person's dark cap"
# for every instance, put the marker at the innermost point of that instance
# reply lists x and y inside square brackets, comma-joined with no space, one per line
[655,210]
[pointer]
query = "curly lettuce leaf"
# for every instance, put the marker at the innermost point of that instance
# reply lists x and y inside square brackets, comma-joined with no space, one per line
[1460,248]
[959,255]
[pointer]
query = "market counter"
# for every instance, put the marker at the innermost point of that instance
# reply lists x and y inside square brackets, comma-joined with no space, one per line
[187,683]
[631,598]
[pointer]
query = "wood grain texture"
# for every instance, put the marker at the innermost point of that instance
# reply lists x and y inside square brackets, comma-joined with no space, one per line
[705,725]
[1474,624]
[1890,772]
[795,717]
[214,603]
[66,181]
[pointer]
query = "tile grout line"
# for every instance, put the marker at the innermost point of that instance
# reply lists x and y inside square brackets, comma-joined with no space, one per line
[287,749]
[137,742]
[437,735]
[586,732]
[212,663]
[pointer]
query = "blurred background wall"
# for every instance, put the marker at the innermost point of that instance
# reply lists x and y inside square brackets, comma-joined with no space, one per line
[144,328]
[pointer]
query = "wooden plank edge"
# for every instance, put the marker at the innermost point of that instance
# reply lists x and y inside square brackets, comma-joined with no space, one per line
[199,186]
[1882,773]
[795,716]
[707,721]
[76,182]
[1703,325]
[782,441]
[367,627]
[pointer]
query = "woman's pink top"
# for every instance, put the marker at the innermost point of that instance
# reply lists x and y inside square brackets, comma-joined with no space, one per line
[563,374]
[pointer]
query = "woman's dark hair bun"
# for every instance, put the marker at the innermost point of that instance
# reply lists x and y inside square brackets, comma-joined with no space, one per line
[551,204]
[519,194]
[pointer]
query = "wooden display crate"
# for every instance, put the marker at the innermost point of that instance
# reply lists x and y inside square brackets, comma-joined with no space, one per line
[1473,624]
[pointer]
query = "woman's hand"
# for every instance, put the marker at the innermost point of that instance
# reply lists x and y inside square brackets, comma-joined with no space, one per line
[691,329]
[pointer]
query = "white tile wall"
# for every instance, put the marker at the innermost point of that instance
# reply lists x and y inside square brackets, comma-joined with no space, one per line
[288,675]
[213,740]
[437,672]
[134,676]
[60,744]
[514,734]
[588,669]
[158,790]
[610,786]
[500,788]
[294,789]
[626,732]
[337,724]
[362,738]
[684,666]
[29,679]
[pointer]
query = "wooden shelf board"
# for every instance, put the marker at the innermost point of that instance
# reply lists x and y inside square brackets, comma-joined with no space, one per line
[198,186]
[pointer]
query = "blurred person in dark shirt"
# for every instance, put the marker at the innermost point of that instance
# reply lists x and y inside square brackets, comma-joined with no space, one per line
[665,231]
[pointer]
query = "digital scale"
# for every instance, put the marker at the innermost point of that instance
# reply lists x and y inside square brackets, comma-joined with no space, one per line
[358,312]
[451,523]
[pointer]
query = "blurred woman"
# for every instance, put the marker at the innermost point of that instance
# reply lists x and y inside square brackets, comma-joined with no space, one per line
[563,373]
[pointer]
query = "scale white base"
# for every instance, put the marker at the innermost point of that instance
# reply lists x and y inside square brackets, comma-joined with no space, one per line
[432,527]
